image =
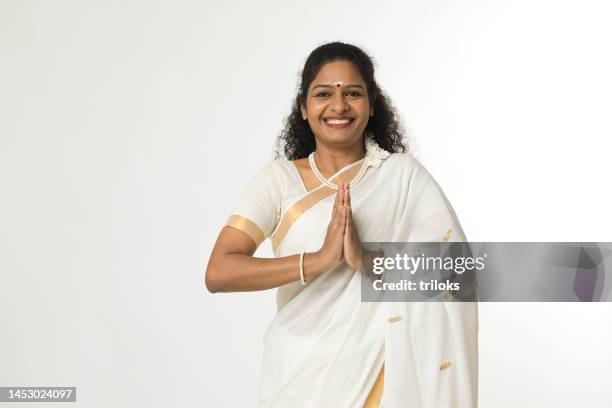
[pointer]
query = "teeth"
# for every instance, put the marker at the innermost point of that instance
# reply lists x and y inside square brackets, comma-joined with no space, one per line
[337,121]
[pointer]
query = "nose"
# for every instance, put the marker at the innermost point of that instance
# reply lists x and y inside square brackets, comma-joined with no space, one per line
[339,104]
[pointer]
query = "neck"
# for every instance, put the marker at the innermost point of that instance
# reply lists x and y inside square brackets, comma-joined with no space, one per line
[330,159]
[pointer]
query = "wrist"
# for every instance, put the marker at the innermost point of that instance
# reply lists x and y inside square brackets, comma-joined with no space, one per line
[315,263]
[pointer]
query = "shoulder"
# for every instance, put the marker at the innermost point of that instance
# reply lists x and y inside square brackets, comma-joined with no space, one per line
[404,162]
[274,168]
[274,175]
[410,169]
[401,159]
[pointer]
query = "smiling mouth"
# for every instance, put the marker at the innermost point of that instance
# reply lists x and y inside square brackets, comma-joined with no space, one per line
[338,123]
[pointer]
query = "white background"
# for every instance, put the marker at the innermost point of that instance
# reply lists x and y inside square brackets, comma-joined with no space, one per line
[128,130]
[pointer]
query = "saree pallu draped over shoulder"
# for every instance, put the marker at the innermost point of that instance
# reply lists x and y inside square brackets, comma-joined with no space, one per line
[326,348]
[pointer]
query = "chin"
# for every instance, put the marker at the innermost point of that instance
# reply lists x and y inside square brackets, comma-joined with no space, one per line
[341,137]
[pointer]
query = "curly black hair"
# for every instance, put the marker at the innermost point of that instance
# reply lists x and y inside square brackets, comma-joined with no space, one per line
[297,140]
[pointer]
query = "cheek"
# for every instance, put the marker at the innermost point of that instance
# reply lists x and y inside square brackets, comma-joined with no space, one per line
[363,107]
[315,110]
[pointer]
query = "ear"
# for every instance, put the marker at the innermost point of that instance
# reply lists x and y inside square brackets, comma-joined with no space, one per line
[372,106]
[304,112]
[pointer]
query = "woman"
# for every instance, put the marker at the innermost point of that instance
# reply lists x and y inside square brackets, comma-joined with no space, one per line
[346,180]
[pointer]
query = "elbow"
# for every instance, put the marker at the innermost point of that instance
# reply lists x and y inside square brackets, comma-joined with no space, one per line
[213,279]
[211,283]
[210,280]
[210,287]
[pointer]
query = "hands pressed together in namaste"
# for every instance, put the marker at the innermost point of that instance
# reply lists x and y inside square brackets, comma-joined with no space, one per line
[342,239]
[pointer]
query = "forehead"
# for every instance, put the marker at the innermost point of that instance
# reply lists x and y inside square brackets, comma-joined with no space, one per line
[343,71]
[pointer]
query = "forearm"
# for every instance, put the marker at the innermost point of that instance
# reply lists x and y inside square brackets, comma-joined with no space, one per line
[242,273]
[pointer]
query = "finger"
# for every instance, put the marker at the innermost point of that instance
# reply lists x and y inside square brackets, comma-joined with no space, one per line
[341,203]
[344,190]
[347,200]
[336,204]
[339,213]
[353,226]
[349,217]
[342,216]
[347,227]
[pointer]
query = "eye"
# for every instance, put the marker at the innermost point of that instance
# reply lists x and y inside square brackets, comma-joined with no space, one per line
[354,93]
[322,94]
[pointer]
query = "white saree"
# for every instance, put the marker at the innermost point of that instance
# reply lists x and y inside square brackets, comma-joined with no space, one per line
[325,348]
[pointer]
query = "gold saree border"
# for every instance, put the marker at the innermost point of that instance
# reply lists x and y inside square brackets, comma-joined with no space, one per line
[308,201]
[445,365]
[447,236]
[375,396]
[247,226]
[296,210]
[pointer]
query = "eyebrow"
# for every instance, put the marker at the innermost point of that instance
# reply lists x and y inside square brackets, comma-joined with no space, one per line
[332,86]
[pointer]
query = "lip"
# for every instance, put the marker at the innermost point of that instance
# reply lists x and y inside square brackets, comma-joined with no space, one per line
[338,126]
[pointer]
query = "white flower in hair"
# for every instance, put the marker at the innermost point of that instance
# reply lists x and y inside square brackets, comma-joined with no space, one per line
[374,153]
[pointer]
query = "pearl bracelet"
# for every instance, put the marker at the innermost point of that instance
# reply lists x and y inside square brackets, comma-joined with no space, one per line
[302,269]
